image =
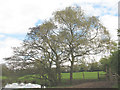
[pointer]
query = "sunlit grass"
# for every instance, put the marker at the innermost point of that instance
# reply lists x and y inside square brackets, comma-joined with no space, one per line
[87,75]
[76,75]
[3,77]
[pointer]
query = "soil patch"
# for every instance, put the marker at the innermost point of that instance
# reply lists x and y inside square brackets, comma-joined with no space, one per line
[96,84]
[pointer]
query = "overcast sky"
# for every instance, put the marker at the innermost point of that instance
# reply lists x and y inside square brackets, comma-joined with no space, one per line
[16,16]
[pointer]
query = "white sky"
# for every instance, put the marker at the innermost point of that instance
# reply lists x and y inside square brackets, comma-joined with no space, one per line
[16,16]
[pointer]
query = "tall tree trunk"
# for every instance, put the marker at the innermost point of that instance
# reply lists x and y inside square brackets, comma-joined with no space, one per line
[59,77]
[58,72]
[71,72]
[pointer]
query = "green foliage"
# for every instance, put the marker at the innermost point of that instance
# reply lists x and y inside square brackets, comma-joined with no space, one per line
[70,34]
[113,61]
[34,79]
[94,66]
[104,62]
[76,68]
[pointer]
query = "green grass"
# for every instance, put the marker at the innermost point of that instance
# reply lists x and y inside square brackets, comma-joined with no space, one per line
[76,75]
[29,78]
[65,77]
[26,77]
[88,75]
[33,79]
[115,86]
[3,77]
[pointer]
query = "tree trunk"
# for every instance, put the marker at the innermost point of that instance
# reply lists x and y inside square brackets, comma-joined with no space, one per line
[58,72]
[98,75]
[106,70]
[59,75]
[110,75]
[107,75]
[72,63]
[71,72]
[83,75]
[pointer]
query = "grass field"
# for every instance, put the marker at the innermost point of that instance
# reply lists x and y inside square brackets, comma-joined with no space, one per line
[3,77]
[87,75]
[76,75]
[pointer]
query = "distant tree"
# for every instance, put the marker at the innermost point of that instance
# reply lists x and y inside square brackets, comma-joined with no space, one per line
[76,68]
[113,61]
[104,63]
[93,66]
[110,64]
[83,64]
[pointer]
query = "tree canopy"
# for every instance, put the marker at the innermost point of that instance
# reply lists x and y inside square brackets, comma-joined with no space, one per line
[66,37]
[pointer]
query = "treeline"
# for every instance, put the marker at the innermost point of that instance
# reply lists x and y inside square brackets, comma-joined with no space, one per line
[90,67]
[66,37]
